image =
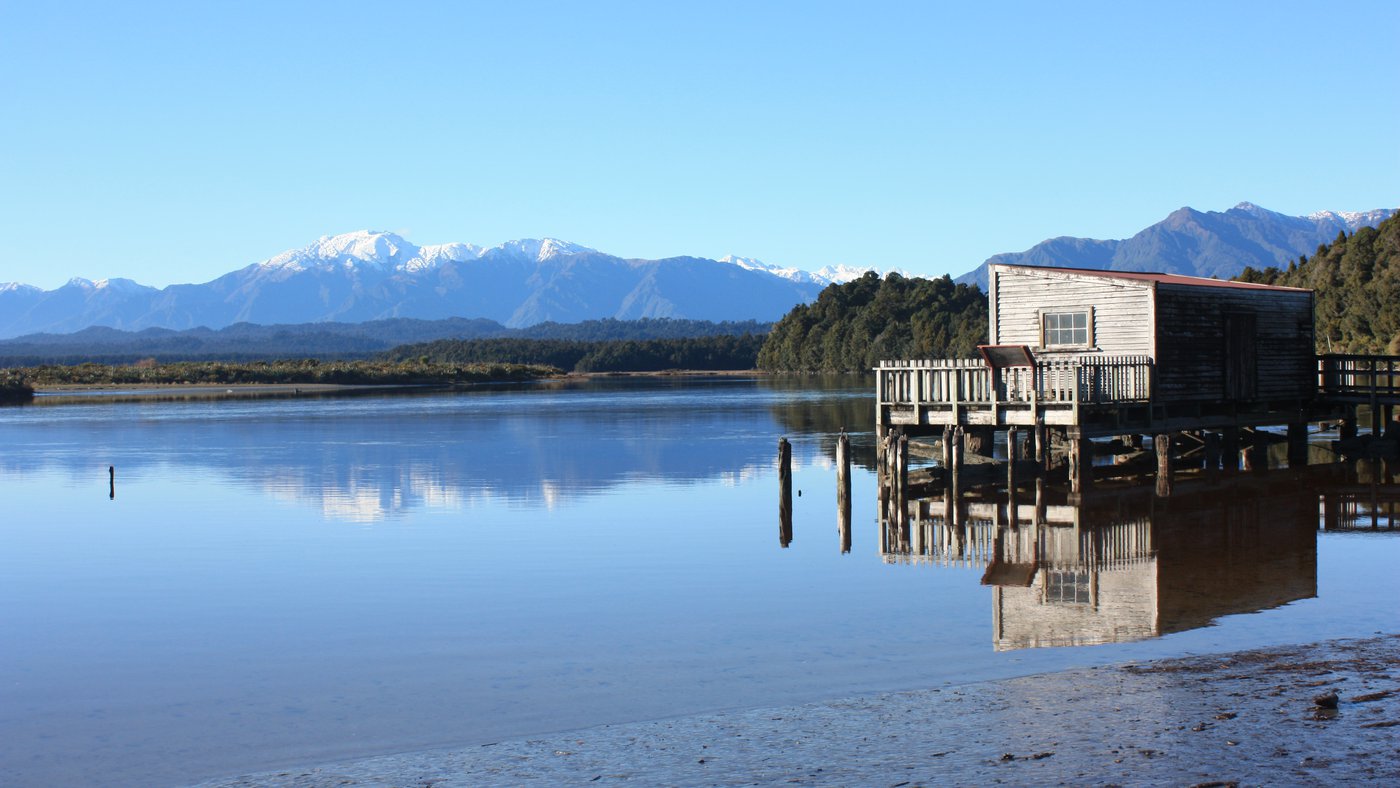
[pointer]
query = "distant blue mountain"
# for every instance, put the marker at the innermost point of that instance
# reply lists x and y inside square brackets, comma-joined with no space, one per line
[366,276]
[1195,243]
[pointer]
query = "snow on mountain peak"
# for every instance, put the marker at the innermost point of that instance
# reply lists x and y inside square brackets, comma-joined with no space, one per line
[790,274]
[831,274]
[1254,210]
[348,250]
[541,249]
[120,285]
[1353,220]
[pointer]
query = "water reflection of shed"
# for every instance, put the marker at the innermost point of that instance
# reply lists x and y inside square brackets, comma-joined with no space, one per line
[1124,565]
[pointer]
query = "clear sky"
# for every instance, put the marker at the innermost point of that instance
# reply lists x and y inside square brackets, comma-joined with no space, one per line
[173,142]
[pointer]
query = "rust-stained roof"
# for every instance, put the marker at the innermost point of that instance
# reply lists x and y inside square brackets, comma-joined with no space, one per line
[1152,276]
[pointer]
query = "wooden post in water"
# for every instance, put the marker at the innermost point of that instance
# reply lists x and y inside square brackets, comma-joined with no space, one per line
[1081,463]
[1297,444]
[112,482]
[1011,454]
[902,474]
[955,472]
[1042,444]
[1347,429]
[1230,448]
[1212,440]
[1260,450]
[1162,443]
[843,491]
[784,492]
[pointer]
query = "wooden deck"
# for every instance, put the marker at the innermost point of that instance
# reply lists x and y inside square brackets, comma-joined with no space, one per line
[1097,396]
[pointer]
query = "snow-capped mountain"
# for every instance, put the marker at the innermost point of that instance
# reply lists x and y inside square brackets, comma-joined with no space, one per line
[838,274]
[1197,243]
[368,275]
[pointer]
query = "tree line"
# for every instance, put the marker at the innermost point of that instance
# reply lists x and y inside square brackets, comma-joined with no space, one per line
[852,326]
[1356,285]
[710,353]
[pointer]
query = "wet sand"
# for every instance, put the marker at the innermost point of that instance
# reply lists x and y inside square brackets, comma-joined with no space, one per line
[1246,718]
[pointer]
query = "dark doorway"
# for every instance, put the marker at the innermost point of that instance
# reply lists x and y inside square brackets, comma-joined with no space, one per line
[1241,357]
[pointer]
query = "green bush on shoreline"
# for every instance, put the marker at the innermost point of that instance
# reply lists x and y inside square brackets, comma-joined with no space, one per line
[15,386]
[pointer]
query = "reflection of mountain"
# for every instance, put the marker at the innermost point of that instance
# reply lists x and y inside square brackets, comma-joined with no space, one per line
[1124,564]
[364,457]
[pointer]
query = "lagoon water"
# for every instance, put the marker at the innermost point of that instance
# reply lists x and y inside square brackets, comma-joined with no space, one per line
[289,581]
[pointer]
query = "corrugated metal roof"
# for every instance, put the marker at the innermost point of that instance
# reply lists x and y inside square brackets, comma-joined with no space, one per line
[1151,276]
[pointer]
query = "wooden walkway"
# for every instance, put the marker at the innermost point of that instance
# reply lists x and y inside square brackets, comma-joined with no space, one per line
[1097,396]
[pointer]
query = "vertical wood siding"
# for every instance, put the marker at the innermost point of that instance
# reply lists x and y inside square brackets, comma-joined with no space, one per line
[1191,341]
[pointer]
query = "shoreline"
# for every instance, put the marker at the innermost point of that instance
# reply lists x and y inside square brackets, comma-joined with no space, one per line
[155,392]
[1245,717]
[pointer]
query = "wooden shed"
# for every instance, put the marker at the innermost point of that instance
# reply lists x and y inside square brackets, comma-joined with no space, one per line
[1209,340]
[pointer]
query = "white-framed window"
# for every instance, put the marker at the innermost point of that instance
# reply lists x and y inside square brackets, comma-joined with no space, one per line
[1066,328]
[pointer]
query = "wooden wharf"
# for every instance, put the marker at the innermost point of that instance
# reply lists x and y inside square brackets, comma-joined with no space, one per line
[1078,356]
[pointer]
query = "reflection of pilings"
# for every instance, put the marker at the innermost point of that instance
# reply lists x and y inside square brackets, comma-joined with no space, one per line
[843,491]
[784,492]
[112,482]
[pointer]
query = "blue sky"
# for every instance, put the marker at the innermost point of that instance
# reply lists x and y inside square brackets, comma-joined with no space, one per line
[173,142]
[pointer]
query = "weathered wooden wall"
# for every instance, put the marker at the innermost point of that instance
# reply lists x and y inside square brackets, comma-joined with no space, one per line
[1121,309]
[1191,341]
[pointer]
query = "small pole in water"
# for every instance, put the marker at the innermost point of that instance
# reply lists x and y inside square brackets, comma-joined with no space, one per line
[784,492]
[111,482]
[843,491]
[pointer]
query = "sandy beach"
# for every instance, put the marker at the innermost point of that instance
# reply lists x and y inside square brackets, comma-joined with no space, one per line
[1248,718]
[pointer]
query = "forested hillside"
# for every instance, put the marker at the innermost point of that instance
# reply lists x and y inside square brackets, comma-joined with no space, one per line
[852,326]
[694,353]
[1357,283]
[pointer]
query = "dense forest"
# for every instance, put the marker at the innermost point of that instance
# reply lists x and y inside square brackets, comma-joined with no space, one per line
[1356,280]
[697,353]
[850,327]
[328,341]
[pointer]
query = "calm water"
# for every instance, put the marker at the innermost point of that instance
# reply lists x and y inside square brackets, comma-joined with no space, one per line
[283,582]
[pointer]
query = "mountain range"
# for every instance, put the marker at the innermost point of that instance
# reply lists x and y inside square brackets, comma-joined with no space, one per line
[363,276]
[368,276]
[1196,243]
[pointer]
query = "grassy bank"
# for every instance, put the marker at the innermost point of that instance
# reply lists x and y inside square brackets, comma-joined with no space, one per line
[307,371]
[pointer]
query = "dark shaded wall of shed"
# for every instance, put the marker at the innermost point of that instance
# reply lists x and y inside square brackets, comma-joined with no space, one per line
[1192,359]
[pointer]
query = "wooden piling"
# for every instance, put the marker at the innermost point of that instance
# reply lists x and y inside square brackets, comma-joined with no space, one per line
[1162,444]
[1298,444]
[1230,448]
[1260,450]
[955,470]
[784,492]
[1212,451]
[112,482]
[1012,452]
[902,474]
[843,491]
[1347,429]
[1081,463]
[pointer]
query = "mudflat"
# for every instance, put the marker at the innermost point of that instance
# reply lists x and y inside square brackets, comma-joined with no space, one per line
[1320,714]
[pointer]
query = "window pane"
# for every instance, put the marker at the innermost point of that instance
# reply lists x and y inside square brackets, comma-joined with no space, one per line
[1066,328]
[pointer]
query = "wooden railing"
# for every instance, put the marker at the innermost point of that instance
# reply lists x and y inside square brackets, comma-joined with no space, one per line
[1080,380]
[1358,376]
